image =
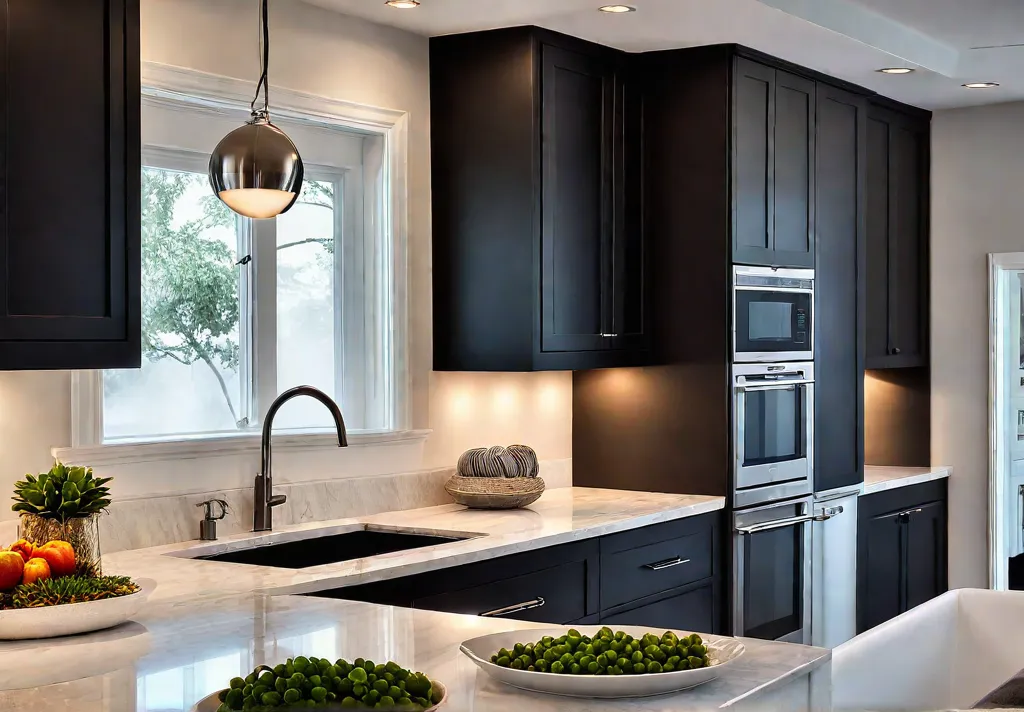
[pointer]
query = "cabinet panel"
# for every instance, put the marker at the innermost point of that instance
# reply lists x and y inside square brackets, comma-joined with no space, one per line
[753,162]
[69,225]
[907,251]
[898,198]
[577,157]
[794,171]
[556,595]
[655,567]
[926,553]
[691,611]
[838,358]
[880,569]
[876,328]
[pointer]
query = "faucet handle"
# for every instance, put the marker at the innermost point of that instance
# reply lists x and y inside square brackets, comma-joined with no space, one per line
[277,500]
[209,504]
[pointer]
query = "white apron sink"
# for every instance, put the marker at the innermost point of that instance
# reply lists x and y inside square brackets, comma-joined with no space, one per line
[948,653]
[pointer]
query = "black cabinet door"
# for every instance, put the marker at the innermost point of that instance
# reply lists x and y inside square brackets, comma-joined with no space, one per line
[926,553]
[753,163]
[794,150]
[880,569]
[691,611]
[628,288]
[896,330]
[69,184]
[578,177]
[773,166]
[839,354]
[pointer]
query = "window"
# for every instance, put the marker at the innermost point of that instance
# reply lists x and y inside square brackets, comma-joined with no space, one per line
[235,311]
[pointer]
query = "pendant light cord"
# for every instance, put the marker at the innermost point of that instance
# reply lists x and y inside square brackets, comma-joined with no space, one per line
[263,114]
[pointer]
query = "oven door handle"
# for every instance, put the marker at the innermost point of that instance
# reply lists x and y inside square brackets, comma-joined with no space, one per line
[780,386]
[777,524]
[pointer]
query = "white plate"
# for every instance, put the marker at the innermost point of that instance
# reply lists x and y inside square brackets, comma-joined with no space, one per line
[73,618]
[211,702]
[721,652]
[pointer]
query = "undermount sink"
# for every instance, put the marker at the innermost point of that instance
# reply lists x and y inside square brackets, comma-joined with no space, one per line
[331,549]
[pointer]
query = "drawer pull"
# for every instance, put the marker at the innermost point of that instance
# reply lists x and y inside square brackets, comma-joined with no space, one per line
[515,608]
[666,564]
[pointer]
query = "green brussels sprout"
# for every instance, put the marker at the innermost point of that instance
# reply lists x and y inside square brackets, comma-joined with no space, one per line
[575,669]
[291,696]
[503,661]
[224,707]
[654,667]
[698,650]
[349,702]
[394,692]
[267,679]
[639,668]
[251,678]
[319,694]
[359,690]
[369,666]
[557,667]
[271,699]
[542,665]
[280,685]
[234,698]
[258,690]
[516,664]
[695,662]
[358,674]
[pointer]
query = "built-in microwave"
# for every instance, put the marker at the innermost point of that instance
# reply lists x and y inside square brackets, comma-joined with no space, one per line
[772,314]
[773,431]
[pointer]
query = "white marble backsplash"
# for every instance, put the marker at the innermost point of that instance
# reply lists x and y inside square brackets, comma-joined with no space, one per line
[155,521]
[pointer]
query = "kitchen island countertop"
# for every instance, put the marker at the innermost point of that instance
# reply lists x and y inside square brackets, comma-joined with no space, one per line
[210,621]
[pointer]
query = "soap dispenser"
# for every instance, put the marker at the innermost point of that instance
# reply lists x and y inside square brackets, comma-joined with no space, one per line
[208,527]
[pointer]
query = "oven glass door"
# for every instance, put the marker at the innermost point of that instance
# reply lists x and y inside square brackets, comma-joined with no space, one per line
[773,322]
[773,577]
[772,440]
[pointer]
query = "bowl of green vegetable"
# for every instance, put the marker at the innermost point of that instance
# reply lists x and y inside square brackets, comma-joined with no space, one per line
[320,683]
[598,662]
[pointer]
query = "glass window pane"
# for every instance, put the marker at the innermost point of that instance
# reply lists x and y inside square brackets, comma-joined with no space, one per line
[189,379]
[306,316]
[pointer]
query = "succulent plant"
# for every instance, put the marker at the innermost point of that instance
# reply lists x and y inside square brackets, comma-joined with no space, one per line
[69,589]
[62,493]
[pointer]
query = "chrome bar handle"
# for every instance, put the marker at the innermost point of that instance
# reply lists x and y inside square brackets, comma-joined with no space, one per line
[667,563]
[911,511]
[777,524]
[515,608]
[780,385]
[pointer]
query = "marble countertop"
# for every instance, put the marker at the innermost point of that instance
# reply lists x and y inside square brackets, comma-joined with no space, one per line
[179,653]
[208,622]
[880,479]
[559,516]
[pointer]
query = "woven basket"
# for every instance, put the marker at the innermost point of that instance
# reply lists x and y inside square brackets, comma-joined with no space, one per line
[494,492]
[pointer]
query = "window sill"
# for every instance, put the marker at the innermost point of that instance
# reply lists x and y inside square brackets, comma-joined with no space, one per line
[128,453]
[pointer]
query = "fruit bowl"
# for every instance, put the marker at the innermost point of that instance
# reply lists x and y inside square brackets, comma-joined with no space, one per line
[211,702]
[73,618]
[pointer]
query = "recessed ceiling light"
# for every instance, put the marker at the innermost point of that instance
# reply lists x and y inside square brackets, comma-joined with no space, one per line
[981,85]
[896,70]
[403,4]
[617,8]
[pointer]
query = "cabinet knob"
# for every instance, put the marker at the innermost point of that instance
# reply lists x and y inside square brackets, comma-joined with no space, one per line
[609,336]
[895,351]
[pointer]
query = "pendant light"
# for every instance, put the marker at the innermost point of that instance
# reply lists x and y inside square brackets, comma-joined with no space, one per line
[256,169]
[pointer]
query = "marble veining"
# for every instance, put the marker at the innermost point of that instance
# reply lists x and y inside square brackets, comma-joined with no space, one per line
[880,479]
[561,515]
[178,653]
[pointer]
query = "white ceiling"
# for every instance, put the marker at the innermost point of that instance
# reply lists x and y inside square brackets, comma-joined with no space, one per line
[848,39]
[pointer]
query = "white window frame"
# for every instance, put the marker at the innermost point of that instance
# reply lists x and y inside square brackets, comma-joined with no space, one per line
[384,192]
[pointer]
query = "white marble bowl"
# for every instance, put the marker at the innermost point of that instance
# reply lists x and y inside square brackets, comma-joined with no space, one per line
[211,702]
[73,618]
[721,653]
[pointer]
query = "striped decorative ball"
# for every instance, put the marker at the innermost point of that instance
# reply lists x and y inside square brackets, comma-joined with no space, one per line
[497,461]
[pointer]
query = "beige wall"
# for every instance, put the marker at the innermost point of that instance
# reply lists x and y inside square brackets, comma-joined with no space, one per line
[323,53]
[977,208]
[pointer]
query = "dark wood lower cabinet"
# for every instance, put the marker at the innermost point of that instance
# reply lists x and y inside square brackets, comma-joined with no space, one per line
[901,551]
[667,575]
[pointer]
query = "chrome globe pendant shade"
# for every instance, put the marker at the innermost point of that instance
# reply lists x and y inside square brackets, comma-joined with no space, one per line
[256,169]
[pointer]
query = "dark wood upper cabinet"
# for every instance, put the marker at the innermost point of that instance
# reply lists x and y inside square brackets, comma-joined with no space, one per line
[538,242]
[839,309]
[773,166]
[896,331]
[69,184]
